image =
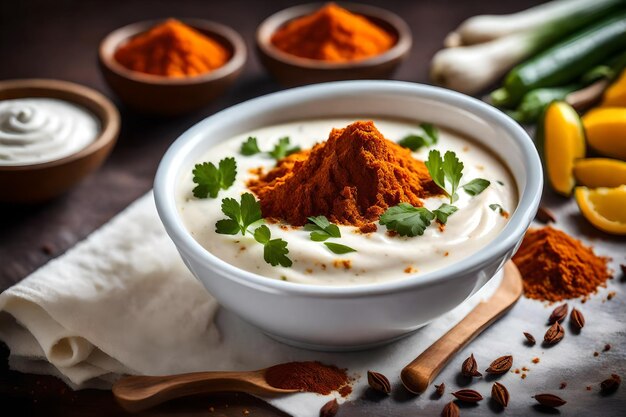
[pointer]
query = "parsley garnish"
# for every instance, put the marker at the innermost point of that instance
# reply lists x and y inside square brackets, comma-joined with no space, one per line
[496,207]
[449,168]
[212,179]
[243,215]
[321,229]
[443,212]
[406,219]
[274,250]
[338,248]
[250,147]
[476,186]
[428,137]
[283,149]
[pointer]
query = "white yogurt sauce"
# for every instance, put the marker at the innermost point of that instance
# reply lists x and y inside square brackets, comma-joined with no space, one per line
[379,257]
[35,130]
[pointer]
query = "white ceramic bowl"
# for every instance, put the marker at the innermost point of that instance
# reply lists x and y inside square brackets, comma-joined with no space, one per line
[340,318]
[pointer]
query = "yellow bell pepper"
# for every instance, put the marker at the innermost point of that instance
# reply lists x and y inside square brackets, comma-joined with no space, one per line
[615,95]
[606,131]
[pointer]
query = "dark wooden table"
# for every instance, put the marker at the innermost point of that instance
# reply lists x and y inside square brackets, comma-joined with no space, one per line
[59,39]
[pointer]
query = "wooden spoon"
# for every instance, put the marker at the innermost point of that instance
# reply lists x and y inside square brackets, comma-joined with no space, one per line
[136,393]
[417,375]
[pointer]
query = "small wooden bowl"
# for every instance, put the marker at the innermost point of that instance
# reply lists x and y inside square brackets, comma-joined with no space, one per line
[154,94]
[292,70]
[39,182]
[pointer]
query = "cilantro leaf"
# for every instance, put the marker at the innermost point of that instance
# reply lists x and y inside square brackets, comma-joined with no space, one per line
[453,171]
[431,132]
[407,220]
[250,147]
[428,137]
[262,234]
[283,149]
[250,210]
[241,215]
[338,248]
[444,211]
[227,227]
[211,179]
[476,186]
[322,229]
[496,207]
[434,165]
[275,253]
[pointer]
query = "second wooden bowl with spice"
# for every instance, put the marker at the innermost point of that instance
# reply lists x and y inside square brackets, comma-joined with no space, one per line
[319,42]
[171,67]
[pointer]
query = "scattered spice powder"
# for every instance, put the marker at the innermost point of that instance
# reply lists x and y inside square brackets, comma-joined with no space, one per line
[555,266]
[333,34]
[352,179]
[535,360]
[172,49]
[308,376]
[596,353]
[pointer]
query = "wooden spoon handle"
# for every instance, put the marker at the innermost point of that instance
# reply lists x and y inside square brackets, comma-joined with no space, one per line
[417,375]
[135,393]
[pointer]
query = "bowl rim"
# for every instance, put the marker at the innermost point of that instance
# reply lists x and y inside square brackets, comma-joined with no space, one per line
[106,112]
[110,43]
[507,239]
[267,28]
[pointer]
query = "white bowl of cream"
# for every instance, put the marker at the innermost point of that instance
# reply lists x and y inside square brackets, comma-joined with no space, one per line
[375,300]
[52,134]
[41,129]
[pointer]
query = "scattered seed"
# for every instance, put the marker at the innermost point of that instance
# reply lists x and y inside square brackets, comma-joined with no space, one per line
[607,347]
[535,360]
[500,365]
[545,215]
[549,400]
[470,367]
[588,387]
[530,338]
[577,318]
[558,314]
[378,382]
[611,384]
[468,395]
[439,389]
[610,295]
[500,394]
[329,409]
[563,385]
[450,410]
[554,334]
[596,354]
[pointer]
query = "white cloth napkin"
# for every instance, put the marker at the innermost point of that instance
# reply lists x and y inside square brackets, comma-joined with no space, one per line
[123,302]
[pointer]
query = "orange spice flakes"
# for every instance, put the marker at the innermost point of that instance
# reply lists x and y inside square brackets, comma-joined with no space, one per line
[535,360]
[172,49]
[342,263]
[410,270]
[333,34]
[352,178]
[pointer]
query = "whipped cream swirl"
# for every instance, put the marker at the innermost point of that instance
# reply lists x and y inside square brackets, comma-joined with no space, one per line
[36,130]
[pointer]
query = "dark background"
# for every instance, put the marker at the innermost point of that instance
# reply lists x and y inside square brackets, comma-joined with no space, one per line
[59,39]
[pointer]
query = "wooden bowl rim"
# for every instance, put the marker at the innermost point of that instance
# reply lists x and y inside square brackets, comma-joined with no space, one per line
[267,28]
[86,97]
[114,39]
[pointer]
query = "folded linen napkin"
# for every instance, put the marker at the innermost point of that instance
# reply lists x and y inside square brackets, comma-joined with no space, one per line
[123,302]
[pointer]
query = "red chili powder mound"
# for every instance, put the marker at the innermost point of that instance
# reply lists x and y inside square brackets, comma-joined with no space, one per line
[308,376]
[352,178]
[555,266]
